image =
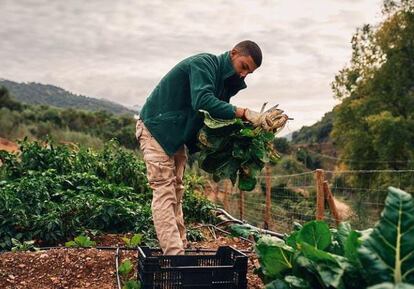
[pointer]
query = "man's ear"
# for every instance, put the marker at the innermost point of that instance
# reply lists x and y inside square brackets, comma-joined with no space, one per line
[233,52]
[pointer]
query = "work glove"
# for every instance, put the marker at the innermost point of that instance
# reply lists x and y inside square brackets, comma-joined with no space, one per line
[272,120]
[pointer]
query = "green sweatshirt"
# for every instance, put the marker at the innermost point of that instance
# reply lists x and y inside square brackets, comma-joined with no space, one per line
[203,81]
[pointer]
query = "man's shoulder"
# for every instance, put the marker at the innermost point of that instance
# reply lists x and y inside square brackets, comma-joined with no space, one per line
[202,57]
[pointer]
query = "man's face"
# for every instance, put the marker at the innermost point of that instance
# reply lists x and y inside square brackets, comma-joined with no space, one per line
[243,64]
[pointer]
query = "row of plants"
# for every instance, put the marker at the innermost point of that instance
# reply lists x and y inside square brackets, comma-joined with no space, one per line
[51,193]
[315,256]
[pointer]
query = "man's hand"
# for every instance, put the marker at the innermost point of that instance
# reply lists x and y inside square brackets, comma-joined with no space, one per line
[271,120]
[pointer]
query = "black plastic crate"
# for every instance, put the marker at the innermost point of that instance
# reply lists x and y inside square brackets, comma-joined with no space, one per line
[224,269]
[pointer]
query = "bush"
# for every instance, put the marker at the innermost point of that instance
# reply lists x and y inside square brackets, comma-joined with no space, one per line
[51,193]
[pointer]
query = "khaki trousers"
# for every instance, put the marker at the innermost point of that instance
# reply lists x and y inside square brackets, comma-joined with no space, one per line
[165,176]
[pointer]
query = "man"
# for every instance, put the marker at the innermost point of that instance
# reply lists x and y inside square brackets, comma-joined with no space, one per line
[170,119]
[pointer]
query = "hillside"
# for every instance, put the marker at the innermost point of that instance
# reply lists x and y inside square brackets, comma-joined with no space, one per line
[316,133]
[37,93]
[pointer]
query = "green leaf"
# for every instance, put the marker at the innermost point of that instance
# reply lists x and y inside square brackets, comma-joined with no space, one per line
[15,241]
[277,284]
[296,282]
[387,255]
[132,284]
[344,229]
[351,246]
[70,244]
[388,285]
[125,267]
[247,132]
[326,264]
[136,240]
[315,233]
[246,182]
[216,123]
[291,240]
[274,255]
[243,230]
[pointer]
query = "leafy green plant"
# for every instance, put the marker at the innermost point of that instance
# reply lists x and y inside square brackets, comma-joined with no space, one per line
[81,242]
[132,284]
[55,192]
[19,246]
[232,149]
[125,268]
[134,241]
[388,253]
[194,235]
[314,256]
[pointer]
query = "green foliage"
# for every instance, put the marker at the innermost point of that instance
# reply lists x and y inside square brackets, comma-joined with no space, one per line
[244,230]
[314,256]
[317,133]
[282,145]
[81,242]
[231,149]
[52,193]
[132,284]
[387,254]
[78,126]
[7,101]
[310,161]
[194,235]
[125,268]
[134,241]
[373,126]
[23,246]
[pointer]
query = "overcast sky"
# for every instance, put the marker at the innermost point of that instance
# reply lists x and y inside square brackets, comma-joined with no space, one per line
[119,50]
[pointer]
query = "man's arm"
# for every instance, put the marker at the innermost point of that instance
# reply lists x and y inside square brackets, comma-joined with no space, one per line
[241,113]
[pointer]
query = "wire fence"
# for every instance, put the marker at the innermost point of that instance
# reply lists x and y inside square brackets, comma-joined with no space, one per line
[358,196]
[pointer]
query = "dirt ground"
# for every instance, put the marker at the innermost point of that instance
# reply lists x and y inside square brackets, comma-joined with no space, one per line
[67,268]
[8,145]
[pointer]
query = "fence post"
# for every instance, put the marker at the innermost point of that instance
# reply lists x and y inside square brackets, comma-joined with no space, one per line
[241,205]
[320,196]
[226,193]
[268,198]
[331,202]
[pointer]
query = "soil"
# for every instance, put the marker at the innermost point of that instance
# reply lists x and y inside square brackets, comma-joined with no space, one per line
[8,146]
[68,268]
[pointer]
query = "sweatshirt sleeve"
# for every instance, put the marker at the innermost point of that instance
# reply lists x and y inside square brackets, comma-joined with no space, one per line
[202,87]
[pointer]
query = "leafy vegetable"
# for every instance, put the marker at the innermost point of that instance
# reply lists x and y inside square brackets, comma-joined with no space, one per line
[23,246]
[125,268]
[53,193]
[81,242]
[388,254]
[314,256]
[131,284]
[134,241]
[232,148]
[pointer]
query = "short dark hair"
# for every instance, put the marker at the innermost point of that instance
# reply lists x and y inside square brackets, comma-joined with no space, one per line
[248,47]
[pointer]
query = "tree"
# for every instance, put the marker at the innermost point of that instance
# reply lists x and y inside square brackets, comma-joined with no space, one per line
[374,124]
[7,101]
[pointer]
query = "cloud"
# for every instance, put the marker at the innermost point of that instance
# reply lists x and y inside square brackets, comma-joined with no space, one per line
[119,50]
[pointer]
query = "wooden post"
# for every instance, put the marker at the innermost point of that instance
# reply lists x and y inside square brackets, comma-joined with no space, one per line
[331,202]
[216,192]
[227,188]
[268,208]
[241,205]
[320,195]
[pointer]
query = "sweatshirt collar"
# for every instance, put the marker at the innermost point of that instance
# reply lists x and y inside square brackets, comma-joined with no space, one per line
[228,69]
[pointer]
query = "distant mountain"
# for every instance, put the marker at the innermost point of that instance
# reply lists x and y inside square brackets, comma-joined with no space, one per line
[37,93]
